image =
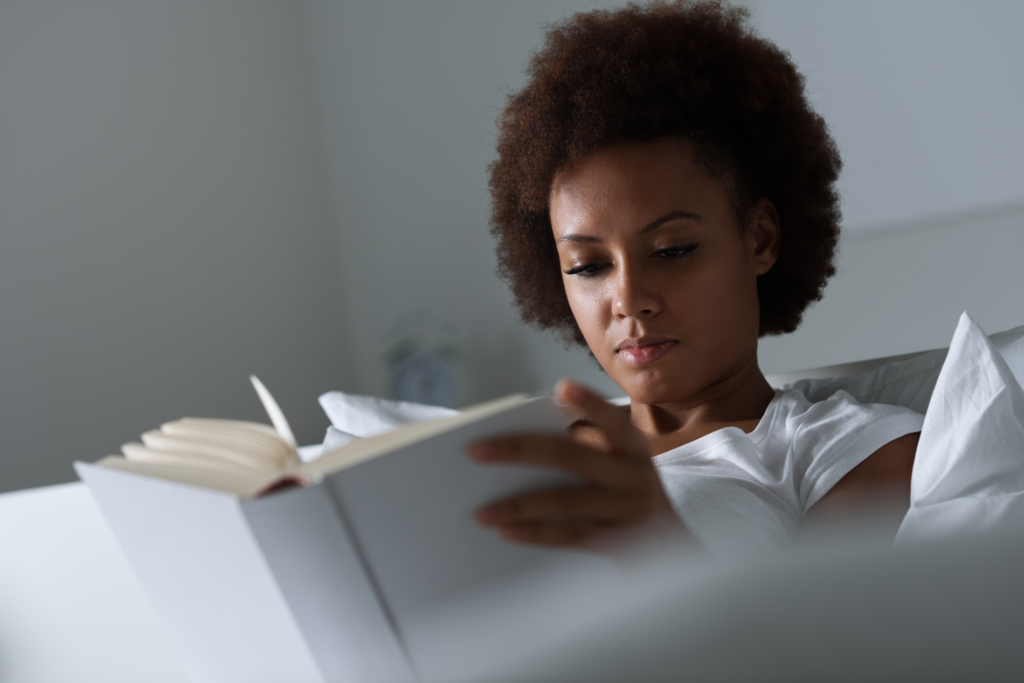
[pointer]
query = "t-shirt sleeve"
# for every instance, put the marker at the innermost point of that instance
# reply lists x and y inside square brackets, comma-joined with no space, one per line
[834,436]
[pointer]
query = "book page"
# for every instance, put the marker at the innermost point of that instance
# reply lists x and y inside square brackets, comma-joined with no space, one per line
[242,483]
[254,437]
[240,458]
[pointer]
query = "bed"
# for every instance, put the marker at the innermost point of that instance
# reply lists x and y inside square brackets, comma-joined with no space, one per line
[941,606]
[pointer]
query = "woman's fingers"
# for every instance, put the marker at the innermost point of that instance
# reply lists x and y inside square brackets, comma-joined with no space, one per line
[566,506]
[611,419]
[578,535]
[624,492]
[606,469]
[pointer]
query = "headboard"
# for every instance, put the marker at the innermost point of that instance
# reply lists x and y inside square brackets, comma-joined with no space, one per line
[842,370]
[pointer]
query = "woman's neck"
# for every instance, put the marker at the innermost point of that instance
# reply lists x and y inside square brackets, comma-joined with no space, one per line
[738,399]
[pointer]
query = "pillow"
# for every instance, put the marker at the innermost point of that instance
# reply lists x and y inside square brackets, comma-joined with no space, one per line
[353,417]
[968,475]
[364,416]
[910,383]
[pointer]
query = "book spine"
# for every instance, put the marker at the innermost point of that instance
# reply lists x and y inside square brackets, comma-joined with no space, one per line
[303,537]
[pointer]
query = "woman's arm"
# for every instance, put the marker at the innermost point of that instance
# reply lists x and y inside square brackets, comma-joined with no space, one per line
[875,492]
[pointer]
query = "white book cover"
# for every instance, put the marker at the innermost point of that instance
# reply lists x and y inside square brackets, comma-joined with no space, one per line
[376,573]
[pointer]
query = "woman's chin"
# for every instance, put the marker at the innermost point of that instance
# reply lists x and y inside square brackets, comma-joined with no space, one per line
[651,386]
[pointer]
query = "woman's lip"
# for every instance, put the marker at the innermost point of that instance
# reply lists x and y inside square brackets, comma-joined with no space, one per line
[647,353]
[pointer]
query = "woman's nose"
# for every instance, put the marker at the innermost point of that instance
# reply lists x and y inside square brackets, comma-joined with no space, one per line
[635,296]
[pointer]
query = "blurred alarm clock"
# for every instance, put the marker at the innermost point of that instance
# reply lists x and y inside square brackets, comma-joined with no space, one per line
[425,365]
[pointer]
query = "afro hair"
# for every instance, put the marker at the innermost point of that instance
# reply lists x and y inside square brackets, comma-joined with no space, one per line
[693,69]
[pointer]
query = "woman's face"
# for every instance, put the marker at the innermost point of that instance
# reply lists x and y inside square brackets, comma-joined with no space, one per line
[661,279]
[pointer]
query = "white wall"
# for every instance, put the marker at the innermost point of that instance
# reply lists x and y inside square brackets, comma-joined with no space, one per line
[164,227]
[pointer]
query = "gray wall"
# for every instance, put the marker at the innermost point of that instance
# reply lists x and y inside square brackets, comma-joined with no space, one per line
[409,92]
[925,99]
[902,290]
[922,97]
[164,225]
[193,191]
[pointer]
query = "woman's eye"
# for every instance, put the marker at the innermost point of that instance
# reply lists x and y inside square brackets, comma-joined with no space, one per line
[675,252]
[586,269]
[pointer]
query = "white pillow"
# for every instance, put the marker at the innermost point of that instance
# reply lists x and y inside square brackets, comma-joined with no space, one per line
[910,383]
[364,416]
[969,470]
[353,416]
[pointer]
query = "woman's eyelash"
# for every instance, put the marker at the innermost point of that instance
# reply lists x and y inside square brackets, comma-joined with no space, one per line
[588,269]
[676,252]
[585,269]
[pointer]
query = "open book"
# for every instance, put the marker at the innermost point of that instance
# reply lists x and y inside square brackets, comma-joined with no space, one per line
[250,458]
[372,568]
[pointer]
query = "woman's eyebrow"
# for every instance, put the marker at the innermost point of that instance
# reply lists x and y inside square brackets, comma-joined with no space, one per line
[653,225]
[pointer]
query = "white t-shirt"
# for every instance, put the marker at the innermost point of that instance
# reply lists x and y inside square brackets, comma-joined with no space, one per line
[745,493]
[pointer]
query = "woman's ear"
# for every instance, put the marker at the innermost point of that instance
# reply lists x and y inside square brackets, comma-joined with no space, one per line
[763,235]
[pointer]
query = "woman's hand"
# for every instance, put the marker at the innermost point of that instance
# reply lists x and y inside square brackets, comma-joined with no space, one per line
[622,495]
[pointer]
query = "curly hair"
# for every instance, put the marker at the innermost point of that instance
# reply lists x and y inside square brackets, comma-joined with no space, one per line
[683,68]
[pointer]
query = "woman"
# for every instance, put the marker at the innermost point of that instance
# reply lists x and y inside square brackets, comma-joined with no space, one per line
[664,195]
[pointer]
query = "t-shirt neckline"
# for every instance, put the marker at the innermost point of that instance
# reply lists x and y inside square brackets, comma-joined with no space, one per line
[713,439]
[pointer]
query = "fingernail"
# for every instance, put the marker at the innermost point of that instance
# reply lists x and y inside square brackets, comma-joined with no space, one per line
[481,450]
[570,390]
[486,516]
[574,391]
